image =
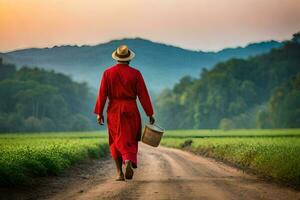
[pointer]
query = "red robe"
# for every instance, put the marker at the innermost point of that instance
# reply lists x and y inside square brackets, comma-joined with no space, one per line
[122,84]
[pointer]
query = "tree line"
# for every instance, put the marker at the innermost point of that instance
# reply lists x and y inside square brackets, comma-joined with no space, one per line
[33,99]
[258,92]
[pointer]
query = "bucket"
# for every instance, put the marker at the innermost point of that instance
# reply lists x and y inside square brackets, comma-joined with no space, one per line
[152,135]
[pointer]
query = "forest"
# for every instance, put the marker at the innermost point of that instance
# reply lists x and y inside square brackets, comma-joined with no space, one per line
[258,92]
[33,99]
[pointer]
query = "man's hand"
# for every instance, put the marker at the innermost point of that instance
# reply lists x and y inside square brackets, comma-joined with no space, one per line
[100,119]
[151,120]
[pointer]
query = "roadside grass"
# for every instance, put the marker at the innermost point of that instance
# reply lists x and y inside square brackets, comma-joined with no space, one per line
[23,156]
[273,154]
[269,153]
[233,133]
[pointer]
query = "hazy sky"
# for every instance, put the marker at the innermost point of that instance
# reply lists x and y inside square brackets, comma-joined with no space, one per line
[193,24]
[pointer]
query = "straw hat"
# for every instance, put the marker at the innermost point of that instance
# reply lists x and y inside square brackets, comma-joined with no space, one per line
[123,54]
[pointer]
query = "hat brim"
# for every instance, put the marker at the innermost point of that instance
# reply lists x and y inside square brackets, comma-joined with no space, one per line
[130,57]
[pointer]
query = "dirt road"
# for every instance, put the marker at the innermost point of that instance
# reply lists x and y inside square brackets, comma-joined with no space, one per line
[165,173]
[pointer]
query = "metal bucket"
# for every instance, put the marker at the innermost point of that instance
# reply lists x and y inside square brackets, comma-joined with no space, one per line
[152,135]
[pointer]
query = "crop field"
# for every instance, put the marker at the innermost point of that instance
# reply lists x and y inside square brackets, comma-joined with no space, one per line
[23,156]
[270,153]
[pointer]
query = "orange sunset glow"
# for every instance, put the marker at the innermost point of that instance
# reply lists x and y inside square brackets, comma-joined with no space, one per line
[194,24]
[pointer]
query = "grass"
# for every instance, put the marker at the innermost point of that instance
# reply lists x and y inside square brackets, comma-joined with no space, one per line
[23,156]
[269,153]
[232,133]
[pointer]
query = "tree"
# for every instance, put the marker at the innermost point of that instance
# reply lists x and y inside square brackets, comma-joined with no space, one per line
[6,71]
[296,37]
[226,124]
[32,99]
[232,91]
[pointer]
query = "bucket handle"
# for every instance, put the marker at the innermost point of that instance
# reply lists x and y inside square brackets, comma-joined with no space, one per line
[159,127]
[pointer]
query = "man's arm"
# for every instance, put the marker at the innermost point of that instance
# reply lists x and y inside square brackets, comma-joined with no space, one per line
[144,98]
[101,100]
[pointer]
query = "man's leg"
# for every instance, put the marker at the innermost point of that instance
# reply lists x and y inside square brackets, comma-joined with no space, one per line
[118,162]
[128,169]
[130,162]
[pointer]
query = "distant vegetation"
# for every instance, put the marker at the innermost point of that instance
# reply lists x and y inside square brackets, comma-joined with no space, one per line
[33,99]
[258,92]
[269,153]
[25,156]
[161,65]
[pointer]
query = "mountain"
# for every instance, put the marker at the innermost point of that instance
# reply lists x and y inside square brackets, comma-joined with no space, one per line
[258,92]
[162,65]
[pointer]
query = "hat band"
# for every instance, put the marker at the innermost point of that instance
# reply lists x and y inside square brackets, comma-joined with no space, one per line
[123,56]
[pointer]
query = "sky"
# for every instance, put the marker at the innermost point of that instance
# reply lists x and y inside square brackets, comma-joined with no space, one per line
[208,25]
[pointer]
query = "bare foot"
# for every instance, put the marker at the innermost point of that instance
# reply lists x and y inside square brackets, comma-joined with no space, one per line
[120,177]
[128,170]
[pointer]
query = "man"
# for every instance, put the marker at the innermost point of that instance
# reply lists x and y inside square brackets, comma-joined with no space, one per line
[122,84]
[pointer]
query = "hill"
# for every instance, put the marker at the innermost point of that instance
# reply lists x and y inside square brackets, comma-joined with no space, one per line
[161,64]
[33,99]
[258,92]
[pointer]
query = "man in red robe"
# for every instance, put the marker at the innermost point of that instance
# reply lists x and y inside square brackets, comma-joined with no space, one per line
[122,84]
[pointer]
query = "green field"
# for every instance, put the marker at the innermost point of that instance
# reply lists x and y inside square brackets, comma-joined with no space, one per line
[23,156]
[269,153]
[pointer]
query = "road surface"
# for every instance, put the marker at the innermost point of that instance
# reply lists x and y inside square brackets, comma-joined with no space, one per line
[165,173]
